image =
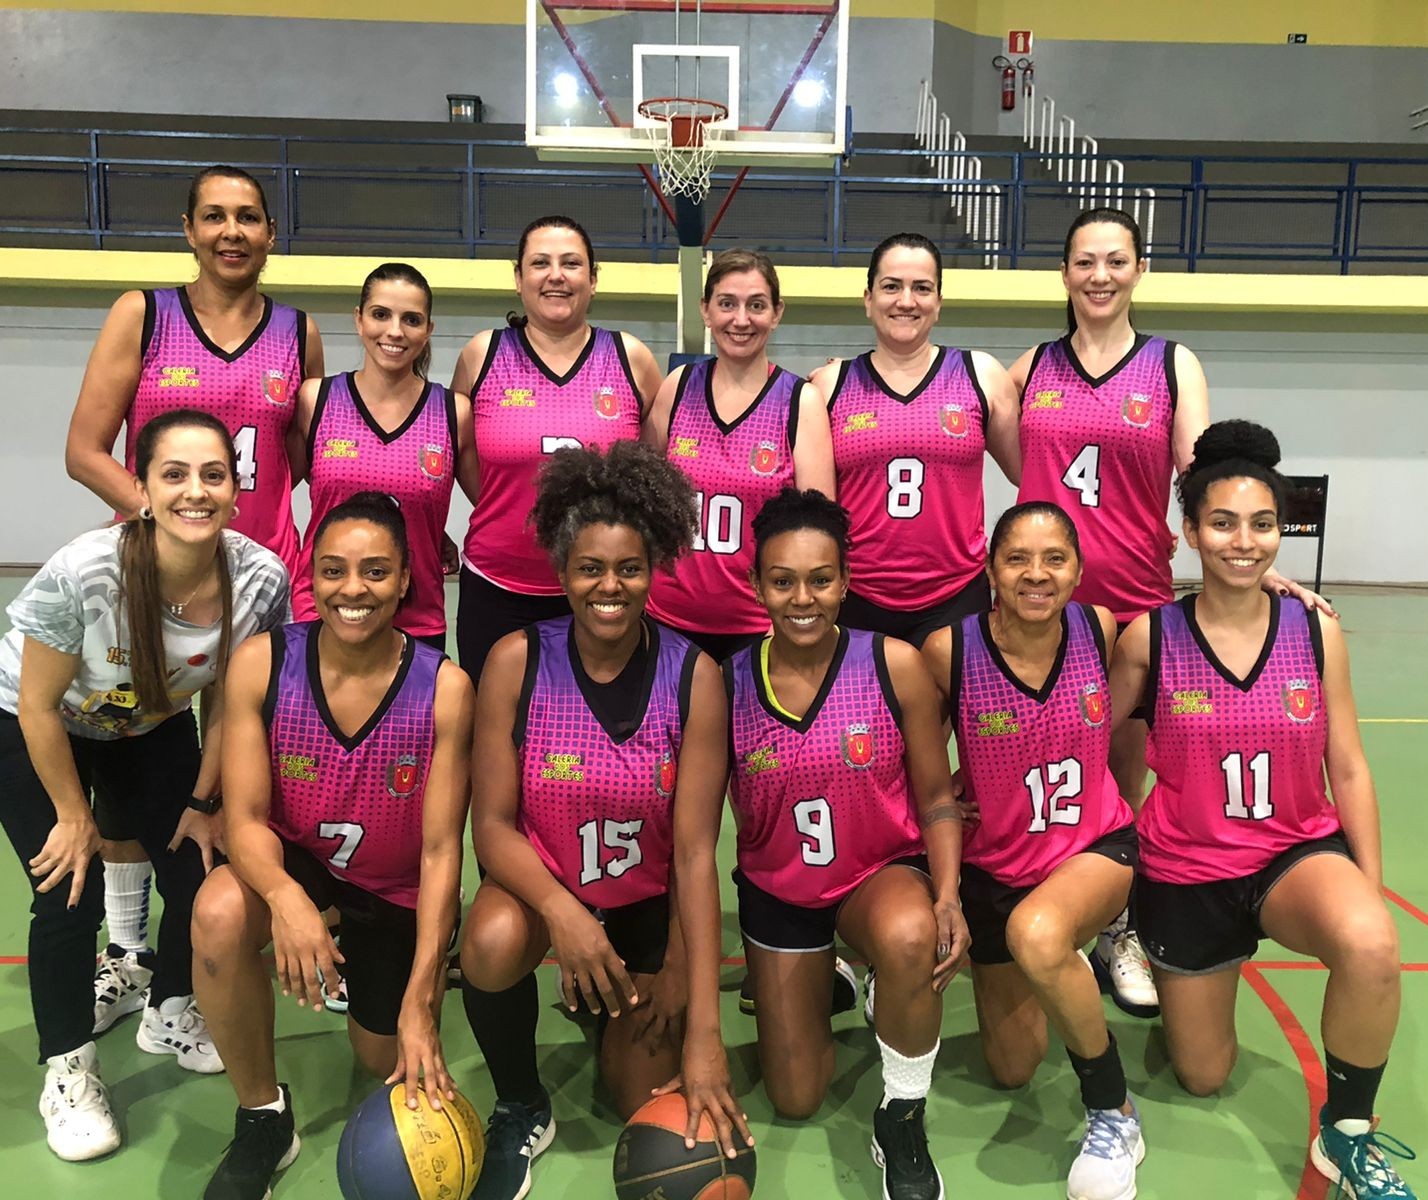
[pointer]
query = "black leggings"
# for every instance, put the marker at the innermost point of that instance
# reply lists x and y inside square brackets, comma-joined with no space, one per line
[152,774]
[487,612]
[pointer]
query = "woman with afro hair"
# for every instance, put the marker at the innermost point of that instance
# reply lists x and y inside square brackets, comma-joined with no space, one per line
[600,758]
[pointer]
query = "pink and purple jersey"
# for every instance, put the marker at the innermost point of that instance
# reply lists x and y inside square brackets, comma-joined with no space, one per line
[598,804]
[1102,449]
[1036,760]
[349,452]
[250,390]
[1239,764]
[821,802]
[910,475]
[354,802]
[735,466]
[524,411]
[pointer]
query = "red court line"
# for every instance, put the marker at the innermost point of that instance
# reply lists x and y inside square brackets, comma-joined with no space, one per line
[1411,909]
[1312,1185]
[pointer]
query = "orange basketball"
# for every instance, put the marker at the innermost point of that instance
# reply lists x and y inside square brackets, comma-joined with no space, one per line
[651,1161]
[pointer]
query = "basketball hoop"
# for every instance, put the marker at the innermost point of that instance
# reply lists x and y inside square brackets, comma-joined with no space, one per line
[683,151]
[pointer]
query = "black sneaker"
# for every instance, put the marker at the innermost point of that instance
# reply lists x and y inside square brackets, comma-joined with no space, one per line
[845,990]
[515,1134]
[900,1148]
[263,1144]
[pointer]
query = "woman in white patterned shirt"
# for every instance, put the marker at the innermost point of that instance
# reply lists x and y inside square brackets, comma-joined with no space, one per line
[110,642]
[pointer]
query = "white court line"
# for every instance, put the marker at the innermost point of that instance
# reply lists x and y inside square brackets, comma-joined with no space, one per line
[1393,720]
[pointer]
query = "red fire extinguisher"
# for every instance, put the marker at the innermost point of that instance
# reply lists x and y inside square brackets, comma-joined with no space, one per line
[1008,81]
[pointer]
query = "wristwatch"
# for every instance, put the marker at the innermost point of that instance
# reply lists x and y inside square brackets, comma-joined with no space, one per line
[206,807]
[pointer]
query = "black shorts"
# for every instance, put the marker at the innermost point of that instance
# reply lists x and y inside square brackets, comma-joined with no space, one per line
[1198,928]
[719,646]
[987,904]
[639,932]
[773,924]
[378,940]
[918,624]
[175,769]
[486,612]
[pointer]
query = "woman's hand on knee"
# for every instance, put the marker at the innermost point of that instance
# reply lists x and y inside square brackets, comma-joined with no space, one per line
[589,966]
[303,950]
[420,1062]
[659,1015]
[953,940]
[204,830]
[69,849]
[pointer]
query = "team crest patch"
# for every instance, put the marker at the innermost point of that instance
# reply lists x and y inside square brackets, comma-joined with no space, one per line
[857,745]
[1136,410]
[764,459]
[275,387]
[1298,700]
[953,419]
[1093,705]
[433,462]
[607,404]
[664,776]
[402,776]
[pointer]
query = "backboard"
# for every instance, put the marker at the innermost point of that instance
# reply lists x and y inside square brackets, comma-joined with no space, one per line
[779,68]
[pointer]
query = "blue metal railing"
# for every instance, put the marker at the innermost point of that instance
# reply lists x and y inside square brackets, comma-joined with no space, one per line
[1307,210]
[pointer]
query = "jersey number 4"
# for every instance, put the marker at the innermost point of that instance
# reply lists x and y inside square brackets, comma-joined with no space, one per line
[1051,787]
[1084,476]
[245,442]
[620,836]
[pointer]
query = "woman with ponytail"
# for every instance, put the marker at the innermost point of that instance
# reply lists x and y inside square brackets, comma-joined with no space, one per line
[110,642]
[387,427]
[1251,709]
[548,380]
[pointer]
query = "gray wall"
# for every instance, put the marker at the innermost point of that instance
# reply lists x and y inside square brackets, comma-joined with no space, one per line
[1345,397]
[275,67]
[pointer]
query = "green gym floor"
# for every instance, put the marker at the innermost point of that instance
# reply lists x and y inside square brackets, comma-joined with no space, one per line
[1248,1142]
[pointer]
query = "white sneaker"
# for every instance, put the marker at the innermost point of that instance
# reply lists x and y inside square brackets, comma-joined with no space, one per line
[870,982]
[1111,1149]
[182,1032]
[79,1123]
[1124,972]
[121,985]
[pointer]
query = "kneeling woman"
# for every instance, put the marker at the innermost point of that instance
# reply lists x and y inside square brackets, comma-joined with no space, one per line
[1051,857]
[601,743]
[838,759]
[345,773]
[1250,708]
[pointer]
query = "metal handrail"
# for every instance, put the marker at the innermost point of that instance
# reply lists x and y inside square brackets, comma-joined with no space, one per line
[995,185]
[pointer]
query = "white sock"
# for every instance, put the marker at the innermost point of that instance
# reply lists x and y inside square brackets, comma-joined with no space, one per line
[126,903]
[174,1005]
[278,1105]
[906,1078]
[1353,1128]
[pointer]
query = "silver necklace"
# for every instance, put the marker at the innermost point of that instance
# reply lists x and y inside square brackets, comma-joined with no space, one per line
[177,609]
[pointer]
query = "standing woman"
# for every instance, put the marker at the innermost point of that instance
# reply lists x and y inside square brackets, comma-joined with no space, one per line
[110,642]
[220,346]
[1250,708]
[387,427]
[741,429]
[911,423]
[548,380]
[599,786]
[347,763]
[847,826]
[1051,857]
[1107,413]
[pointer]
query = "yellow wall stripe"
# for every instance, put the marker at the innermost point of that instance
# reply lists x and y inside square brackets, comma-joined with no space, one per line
[1220,22]
[112,271]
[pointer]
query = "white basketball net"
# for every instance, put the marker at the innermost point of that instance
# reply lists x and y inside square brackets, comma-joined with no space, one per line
[684,143]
